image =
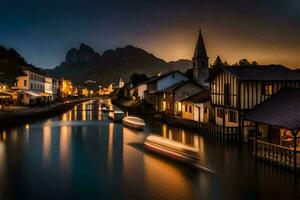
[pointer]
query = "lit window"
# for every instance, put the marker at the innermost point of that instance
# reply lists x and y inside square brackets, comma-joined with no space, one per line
[179,106]
[164,105]
[213,87]
[267,89]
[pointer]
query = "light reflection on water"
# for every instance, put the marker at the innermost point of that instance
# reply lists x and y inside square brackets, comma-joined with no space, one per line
[84,155]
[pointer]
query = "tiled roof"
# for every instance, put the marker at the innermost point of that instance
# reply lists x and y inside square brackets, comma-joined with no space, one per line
[281,109]
[156,78]
[263,72]
[199,97]
[180,84]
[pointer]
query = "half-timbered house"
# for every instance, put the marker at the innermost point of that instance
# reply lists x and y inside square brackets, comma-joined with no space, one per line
[238,89]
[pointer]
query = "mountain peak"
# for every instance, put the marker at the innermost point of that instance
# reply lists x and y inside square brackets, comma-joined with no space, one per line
[84,63]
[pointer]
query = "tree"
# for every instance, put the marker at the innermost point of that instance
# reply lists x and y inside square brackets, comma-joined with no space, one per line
[244,62]
[254,63]
[218,62]
[136,78]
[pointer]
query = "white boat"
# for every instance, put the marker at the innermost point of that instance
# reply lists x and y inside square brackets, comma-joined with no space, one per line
[134,122]
[116,115]
[172,149]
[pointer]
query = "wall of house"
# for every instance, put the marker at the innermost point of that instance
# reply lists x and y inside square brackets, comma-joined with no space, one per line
[21,79]
[170,80]
[48,85]
[187,108]
[252,92]
[199,112]
[217,89]
[141,89]
[184,91]
[37,82]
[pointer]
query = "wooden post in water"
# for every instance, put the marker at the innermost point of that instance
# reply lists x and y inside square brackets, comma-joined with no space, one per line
[255,139]
[295,149]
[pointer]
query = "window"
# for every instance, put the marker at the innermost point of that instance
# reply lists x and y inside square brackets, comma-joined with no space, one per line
[190,109]
[186,108]
[267,89]
[232,116]
[179,106]
[31,86]
[205,110]
[164,95]
[213,87]
[25,83]
[219,113]
[227,94]
[164,106]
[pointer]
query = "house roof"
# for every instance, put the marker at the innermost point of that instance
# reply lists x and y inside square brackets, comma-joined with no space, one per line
[199,97]
[180,84]
[259,72]
[156,78]
[281,109]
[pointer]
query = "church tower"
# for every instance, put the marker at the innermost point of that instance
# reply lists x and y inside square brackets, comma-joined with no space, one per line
[200,62]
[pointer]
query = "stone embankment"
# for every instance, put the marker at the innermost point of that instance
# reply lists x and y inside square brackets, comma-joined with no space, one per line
[14,117]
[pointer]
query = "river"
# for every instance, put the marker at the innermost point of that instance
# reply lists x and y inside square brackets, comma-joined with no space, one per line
[82,154]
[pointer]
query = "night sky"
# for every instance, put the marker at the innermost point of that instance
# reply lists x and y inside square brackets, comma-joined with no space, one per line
[43,31]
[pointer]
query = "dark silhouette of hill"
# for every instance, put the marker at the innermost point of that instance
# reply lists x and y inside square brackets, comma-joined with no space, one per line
[182,64]
[85,64]
[10,65]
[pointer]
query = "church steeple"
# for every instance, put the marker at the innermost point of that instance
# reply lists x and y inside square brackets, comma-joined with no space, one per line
[200,50]
[200,61]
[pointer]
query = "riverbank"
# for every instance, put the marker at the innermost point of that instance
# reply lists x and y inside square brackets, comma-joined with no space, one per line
[18,116]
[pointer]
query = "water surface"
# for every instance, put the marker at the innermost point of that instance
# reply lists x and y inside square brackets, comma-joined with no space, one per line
[82,154]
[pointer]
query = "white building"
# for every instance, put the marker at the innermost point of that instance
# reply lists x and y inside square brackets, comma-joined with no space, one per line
[48,89]
[33,80]
[142,87]
[32,85]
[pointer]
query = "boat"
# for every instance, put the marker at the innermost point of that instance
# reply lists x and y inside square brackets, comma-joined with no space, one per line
[172,149]
[116,116]
[134,122]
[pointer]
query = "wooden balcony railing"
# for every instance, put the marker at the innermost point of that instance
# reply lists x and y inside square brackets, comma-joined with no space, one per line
[277,154]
